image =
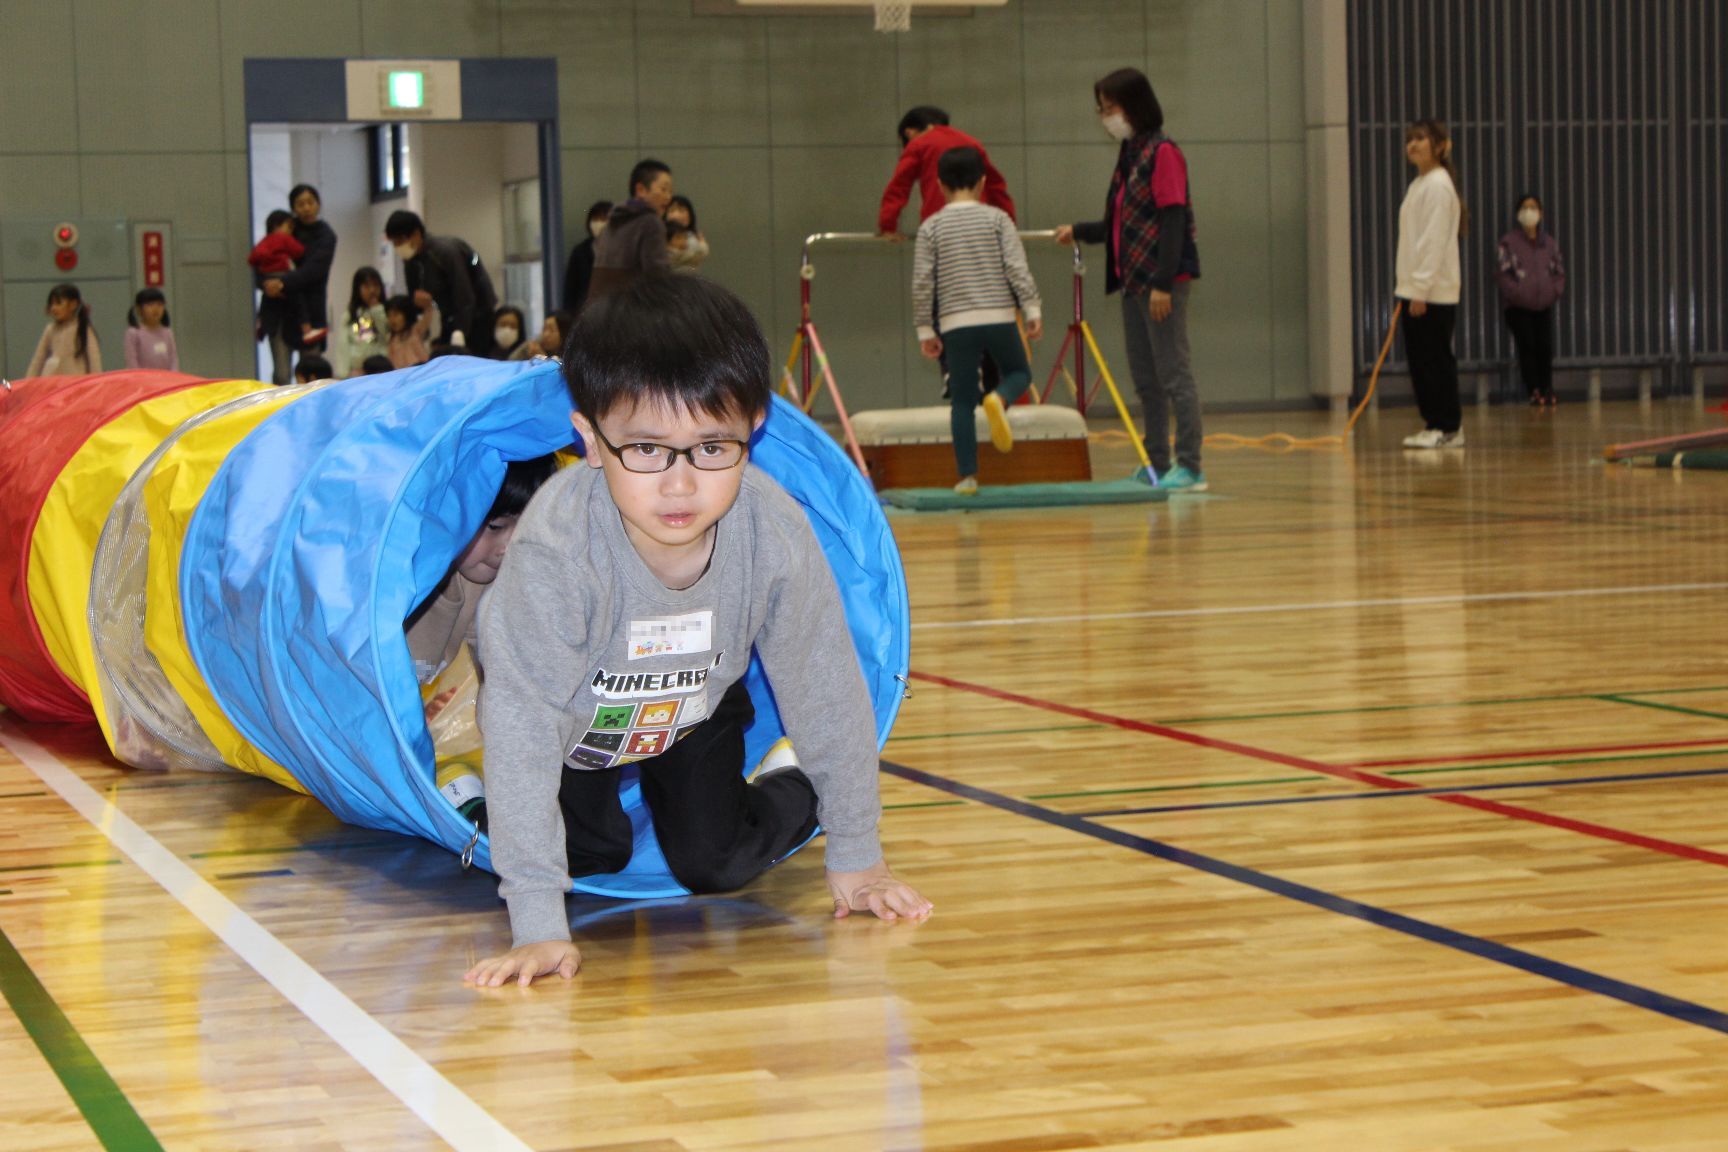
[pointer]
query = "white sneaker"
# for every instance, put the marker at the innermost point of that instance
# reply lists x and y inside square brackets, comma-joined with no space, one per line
[1427,438]
[967,487]
[1451,439]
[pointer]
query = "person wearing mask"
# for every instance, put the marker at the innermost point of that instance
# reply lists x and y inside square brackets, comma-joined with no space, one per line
[1532,278]
[1148,232]
[579,269]
[446,273]
[508,341]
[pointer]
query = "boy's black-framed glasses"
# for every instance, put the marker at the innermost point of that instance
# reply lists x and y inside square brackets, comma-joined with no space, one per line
[708,456]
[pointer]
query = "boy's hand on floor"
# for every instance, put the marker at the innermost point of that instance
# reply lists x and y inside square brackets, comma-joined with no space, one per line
[931,348]
[876,890]
[525,963]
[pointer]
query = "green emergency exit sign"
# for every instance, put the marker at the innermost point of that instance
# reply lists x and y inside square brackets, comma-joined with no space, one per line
[405,91]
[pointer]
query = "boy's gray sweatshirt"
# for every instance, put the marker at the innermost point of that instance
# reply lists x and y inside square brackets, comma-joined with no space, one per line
[591,662]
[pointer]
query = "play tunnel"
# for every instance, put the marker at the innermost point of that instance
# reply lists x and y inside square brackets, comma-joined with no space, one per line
[218,572]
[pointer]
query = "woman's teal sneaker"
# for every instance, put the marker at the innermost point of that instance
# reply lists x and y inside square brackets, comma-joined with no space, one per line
[1179,479]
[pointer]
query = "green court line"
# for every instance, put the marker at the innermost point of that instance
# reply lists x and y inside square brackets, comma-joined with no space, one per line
[50,865]
[110,1115]
[315,846]
[1401,772]
[926,804]
[5,891]
[996,732]
[19,795]
[1665,707]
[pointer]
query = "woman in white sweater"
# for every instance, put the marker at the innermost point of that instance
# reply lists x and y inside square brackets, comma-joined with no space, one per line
[1428,280]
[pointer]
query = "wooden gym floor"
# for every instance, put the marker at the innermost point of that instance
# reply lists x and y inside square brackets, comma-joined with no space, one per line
[1371,803]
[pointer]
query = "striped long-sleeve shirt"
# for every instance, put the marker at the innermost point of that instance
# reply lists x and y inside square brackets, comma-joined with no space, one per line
[969,261]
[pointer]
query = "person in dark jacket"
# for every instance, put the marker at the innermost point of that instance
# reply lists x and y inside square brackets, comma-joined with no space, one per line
[579,270]
[1532,278]
[634,241]
[1148,233]
[444,271]
[306,286]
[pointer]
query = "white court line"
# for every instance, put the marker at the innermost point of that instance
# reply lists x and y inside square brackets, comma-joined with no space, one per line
[1323,606]
[445,1108]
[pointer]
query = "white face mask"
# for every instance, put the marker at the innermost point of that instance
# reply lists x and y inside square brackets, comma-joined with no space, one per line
[405,251]
[1117,125]
[1529,217]
[506,337]
[595,227]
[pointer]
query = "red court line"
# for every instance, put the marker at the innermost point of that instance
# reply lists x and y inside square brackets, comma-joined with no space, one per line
[1538,752]
[1494,807]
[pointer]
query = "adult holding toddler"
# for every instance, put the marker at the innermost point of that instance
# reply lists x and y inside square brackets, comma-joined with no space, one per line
[1148,231]
[621,623]
[303,289]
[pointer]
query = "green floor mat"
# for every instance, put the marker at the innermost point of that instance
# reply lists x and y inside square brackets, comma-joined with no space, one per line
[1697,460]
[1025,496]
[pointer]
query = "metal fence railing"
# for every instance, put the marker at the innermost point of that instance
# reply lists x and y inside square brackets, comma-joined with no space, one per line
[1613,113]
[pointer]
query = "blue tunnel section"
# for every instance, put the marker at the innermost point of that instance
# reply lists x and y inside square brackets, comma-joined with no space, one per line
[335,518]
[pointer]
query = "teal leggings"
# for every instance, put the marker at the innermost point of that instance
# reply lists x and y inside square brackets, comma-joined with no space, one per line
[965,348]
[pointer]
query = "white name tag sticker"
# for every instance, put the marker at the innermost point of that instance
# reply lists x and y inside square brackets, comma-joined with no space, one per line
[672,635]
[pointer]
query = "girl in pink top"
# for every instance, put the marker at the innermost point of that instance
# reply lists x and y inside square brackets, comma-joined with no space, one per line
[149,339]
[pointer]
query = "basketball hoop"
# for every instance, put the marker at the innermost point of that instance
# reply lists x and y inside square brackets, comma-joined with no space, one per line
[893,15]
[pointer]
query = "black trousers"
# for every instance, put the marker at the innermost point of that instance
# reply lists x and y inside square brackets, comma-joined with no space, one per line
[1433,365]
[717,831]
[1533,340]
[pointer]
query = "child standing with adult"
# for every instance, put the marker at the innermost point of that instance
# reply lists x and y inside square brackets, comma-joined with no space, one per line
[1532,278]
[1429,280]
[1148,232]
[68,346]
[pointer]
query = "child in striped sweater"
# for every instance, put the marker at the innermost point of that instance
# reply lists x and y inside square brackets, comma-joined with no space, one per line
[969,257]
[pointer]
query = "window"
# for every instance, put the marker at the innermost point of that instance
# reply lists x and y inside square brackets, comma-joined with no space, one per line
[389,150]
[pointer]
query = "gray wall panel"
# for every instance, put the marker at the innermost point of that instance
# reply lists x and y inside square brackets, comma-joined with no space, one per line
[37,89]
[776,126]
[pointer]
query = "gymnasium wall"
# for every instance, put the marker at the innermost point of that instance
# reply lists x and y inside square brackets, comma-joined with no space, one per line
[776,126]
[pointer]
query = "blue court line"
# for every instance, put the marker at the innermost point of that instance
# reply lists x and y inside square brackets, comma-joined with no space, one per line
[1391,793]
[1585,981]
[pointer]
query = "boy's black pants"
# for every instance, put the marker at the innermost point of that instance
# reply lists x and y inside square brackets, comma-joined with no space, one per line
[717,831]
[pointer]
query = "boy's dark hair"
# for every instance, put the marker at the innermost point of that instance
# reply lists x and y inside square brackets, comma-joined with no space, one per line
[276,219]
[403,224]
[312,368]
[1129,90]
[960,168]
[680,341]
[645,173]
[374,364]
[920,118]
[522,478]
[154,296]
[404,305]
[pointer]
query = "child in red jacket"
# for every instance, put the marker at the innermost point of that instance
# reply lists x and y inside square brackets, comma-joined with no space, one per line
[926,135]
[274,255]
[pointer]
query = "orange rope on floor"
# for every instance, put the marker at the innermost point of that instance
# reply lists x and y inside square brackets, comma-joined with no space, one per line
[1286,441]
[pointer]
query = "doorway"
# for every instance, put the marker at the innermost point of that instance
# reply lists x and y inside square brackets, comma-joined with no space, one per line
[477,159]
